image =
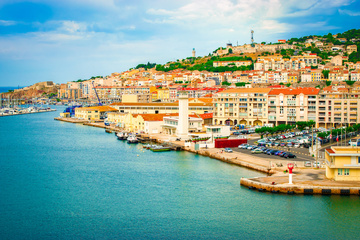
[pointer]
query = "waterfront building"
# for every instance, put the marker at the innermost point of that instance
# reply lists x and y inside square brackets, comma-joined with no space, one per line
[247,106]
[172,126]
[159,107]
[343,163]
[289,105]
[93,113]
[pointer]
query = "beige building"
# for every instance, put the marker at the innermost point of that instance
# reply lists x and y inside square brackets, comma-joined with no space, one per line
[335,109]
[137,98]
[337,60]
[351,48]
[93,113]
[289,105]
[343,163]
[163,108]
[246,106]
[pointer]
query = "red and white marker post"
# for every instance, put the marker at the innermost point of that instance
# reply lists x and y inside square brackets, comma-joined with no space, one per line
[290,167]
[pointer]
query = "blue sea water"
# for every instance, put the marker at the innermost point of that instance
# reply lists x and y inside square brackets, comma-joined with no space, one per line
[6,89]
[68,181]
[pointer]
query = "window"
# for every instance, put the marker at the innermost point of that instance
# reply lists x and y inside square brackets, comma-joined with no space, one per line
[358,159]
[346,172]
[340,171]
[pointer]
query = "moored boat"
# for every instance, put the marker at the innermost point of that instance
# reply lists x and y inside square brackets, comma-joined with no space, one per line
[160,149]
[108,130]
[132,139]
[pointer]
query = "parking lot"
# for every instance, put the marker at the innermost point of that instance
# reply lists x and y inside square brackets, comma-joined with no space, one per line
[299,157]
[301,153]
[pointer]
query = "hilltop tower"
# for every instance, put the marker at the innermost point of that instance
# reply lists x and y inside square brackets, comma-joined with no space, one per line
[193,53]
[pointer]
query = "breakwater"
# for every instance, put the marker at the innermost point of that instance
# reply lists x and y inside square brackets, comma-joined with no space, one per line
[298,189]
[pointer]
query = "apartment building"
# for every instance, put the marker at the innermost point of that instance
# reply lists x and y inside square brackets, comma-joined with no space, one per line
[355,75]
[289,105]
[246,106]
[337,108]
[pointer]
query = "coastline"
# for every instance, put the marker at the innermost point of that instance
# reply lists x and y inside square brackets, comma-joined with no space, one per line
[306,181]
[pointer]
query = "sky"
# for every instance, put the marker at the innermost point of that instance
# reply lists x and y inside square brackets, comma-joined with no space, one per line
[67,40]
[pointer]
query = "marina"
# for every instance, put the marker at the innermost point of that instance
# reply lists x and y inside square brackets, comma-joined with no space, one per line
[4,112]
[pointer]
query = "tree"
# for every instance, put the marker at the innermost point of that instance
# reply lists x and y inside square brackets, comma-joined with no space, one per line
[350,83]
[240,84]
[326,73]
[328,83]
[301,125]
[226,83]
[230,50]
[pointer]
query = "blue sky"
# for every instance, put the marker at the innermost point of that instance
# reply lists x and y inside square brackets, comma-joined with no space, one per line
[66,40]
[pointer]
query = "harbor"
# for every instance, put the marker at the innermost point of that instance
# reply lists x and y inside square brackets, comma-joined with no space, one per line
[72,173]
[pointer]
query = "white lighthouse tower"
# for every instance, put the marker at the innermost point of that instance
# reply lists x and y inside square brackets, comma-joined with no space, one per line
[193,53]
[183,127]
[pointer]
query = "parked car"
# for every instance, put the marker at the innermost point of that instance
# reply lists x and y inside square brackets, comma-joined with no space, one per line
[272,152]
[282,154]
[228,150]
[249,147]
[267,151]
[276,144]
[297,145]
[307,164]
[283,144]
[289,155]
[242,145]
[289,144]
[256,150]
[278,152]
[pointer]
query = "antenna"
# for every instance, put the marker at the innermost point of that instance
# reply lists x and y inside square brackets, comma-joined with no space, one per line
[252,38]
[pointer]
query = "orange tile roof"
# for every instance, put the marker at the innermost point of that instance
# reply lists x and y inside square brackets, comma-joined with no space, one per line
[294,91]
[247,90]
[156,117]
[204,99]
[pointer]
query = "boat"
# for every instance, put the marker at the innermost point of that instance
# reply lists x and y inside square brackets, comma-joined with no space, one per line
[108,130]
[160,149]
[147,146]
[121,135]
[132,139]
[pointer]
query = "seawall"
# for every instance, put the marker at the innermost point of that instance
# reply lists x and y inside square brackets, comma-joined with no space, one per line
[298,188]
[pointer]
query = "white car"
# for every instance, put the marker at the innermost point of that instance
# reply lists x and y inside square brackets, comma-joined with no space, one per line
[242,145]
[257,150]
[228,150]
[297,145]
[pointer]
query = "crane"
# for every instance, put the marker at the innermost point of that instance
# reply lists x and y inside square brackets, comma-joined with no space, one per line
[100,104]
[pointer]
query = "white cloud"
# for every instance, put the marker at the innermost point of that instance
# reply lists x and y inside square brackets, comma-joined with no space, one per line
[7,23]
[348,12]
